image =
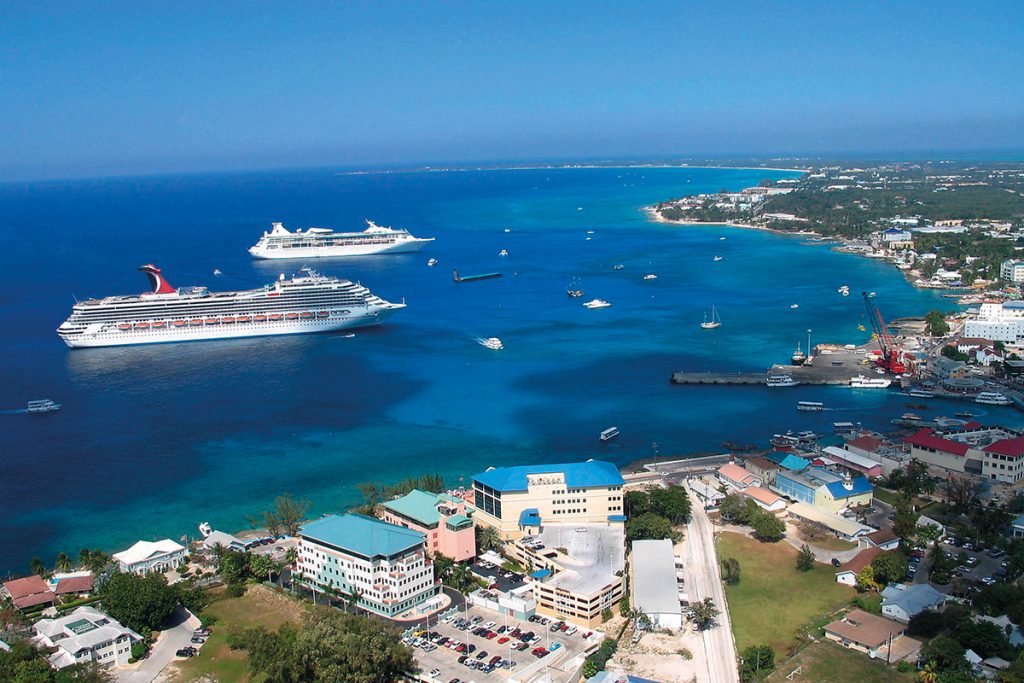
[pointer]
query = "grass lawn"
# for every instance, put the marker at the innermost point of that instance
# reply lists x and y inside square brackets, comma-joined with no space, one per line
[832,543]
[260,606]
[886,495]
[826,662]
[773,600]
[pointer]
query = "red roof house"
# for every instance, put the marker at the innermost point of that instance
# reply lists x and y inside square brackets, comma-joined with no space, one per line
[28,592]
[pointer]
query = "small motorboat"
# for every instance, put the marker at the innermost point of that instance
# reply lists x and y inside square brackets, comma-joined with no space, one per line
[432,262]
[717,258]
[492,343]
[618,266]
[503,252]
[44,405]
[216,271]
[650,276]
[794,306]
[597,303]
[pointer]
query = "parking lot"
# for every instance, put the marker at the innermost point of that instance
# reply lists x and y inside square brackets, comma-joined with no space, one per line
[973,566]
[442,659]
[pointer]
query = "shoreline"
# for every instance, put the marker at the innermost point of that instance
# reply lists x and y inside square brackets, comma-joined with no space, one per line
[566,167]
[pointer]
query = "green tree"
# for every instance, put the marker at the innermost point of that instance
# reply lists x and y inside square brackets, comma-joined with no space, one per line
[731,570]
[606,614]
[946,652]
[758,662]
[889,567]
[936,324]
[703,613]
[984,637]
[805,560]
[648,526]
[142,603]
[960,491]
[487,538]
[866,579]
[261,566]
[737,508]
[36,566]
[286,516]
[234,566]
[672,503]
[62,563]
[624,609]
[905,522]
[928,533]
[767,527]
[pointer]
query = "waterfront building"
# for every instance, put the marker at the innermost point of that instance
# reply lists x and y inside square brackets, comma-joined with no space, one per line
[890,456]
[868,633]
[707,494]
[26,592]
[993,452]
[762,468]
[225,541]
[440,517]
[84,636]
[386,564]
[736,477]
[151,556]
[71,583]
[1012,270]
[521,499]
[896,238]
[655,586]
[999,322]
[827,491]
[947,368]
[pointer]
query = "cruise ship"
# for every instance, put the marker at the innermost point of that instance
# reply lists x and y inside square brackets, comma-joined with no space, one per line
[308,302]
[316,242]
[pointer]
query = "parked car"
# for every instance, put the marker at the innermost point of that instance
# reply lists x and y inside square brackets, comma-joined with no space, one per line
[503,640]
[481,654]
[555,646]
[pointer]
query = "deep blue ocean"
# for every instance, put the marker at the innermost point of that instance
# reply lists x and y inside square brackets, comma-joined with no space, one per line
[153,440]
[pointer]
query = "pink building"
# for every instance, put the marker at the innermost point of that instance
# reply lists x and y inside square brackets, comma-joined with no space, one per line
[442,518]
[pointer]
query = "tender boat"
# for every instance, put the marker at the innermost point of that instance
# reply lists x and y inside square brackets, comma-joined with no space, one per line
[609,434]
[920,393]
[503,252]
[993,398]
[810,406]
[794,305]
[717,258]
[491,343]
[862,382]
[781,381]
[965,413]
[44,405]
[597,303]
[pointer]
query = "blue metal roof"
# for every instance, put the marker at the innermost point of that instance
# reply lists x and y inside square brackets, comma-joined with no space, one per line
[363,535]
[616,518]
[860,485]
[794,462]
[529,517]
[577,475]
[1019,522]
[1013,305]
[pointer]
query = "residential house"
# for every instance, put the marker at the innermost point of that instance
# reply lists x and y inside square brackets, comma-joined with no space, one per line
[518,500]
[84,636]
[762,468]
[29,591]
[151,556]
[765,499]
[848,572]
[440,517]
[883,539]
[736,477]
[224,540]
[864,632]
[966,345]
[901,602]
[707,494]
[71,583]
[988,355]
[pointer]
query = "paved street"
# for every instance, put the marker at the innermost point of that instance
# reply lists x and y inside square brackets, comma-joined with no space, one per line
[703,581]
[172,639]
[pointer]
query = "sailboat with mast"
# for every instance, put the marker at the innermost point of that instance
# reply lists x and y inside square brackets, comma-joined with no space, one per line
[714,322]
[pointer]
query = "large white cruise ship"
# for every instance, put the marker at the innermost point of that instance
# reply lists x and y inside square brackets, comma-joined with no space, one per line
[316,242]
[305,303]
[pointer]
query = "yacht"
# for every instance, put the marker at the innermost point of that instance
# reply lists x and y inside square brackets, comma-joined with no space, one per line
[844,290]
[714,322]
[993,398]
[717,258]
[281,243]
[491,343]
[862,382]
[810,406]
[650,276]
[609,434]
[432,262]
[44,405]
[597,303]
[798,356]
[781,381]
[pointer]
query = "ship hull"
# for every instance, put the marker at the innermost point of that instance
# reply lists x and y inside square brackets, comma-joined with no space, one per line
[403,247]
[117,337]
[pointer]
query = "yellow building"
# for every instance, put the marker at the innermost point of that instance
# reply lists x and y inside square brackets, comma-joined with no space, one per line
[520,500]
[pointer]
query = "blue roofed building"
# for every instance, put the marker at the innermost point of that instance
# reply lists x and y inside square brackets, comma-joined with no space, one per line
[824,490]
[901,602]
[1018,527]
[387,565]
[521,500]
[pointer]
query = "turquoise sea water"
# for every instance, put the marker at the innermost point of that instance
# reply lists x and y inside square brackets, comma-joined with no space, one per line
[153,440]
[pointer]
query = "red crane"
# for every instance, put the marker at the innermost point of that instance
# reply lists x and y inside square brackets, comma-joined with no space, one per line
[891,358]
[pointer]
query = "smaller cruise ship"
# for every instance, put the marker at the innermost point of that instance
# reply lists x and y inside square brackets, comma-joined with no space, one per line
[920,393]
[280,243]
[609,434]
[597,303]
[492,343]
[781,381]
[810,406]
[993,398]
[44,405]
[862,382]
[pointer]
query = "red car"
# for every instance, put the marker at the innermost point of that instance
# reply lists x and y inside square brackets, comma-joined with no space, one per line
[522,646]
[539,652]
[563,627]
[588,634]
[494,660]
[502,640]
[490,635]
[461,648]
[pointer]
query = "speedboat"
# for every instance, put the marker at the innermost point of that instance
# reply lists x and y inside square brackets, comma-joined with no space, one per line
[596,303]
[794,306]
[432,262]
[503,252]
[492,343]
[717,258]
[650,276]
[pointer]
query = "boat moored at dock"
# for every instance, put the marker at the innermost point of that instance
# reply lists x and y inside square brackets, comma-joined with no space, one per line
[781,381]
[993,398]
[280,243]
[862,382]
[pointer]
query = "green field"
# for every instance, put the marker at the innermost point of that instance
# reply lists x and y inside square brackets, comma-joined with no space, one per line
[826,662]
[260,606]
[774,601]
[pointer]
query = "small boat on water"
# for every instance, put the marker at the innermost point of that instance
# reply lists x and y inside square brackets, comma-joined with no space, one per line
[473,278]
[794,305]
[609,434]
[965,413]
[717,258]
[913,417]
[810,406]
[862,382]
[650,276]
[503,252]
[432,262]
[574,290]
[714,322]
[596,303]
[781,381]
[920,393]
[216,271]
[44,405]
[492,343]
[618,266]
[508,229]
[993,398]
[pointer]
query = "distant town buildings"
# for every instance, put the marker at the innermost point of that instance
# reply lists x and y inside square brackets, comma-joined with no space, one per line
[1012,270]
[997,321]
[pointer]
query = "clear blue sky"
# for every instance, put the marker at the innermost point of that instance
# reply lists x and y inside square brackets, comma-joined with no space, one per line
[97,88]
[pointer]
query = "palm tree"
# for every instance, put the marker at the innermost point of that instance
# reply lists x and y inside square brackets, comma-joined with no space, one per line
[291,555]
[36,566]
[442,565]
[461,578]
[62,563]
[353,598]
[487,538]
[929,674]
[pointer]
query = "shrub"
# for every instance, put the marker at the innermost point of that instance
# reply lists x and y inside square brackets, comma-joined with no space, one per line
[234,590]
[606,614]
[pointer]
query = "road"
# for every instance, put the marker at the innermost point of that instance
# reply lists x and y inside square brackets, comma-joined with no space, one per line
[704,581]
[174,637]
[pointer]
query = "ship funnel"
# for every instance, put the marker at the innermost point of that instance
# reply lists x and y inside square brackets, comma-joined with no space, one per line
[156,279]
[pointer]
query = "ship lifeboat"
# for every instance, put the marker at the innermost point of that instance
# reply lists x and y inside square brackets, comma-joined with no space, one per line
[179,323]
[196,321]
[259,318]
[142,326]
[322,314]
[306,314]
[124,326]
[291,316]
[227,321]
[276,316]
[243,318]
[159,324]
[212,321]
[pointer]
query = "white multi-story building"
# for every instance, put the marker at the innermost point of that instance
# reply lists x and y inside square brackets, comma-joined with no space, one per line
[151,556]
[998,322]
[1012,270]
[386,564]
[86,635]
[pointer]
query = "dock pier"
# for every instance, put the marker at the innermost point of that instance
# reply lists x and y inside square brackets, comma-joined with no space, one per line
[800,374]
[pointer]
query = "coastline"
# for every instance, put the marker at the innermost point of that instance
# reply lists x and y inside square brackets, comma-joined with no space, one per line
[560,167]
